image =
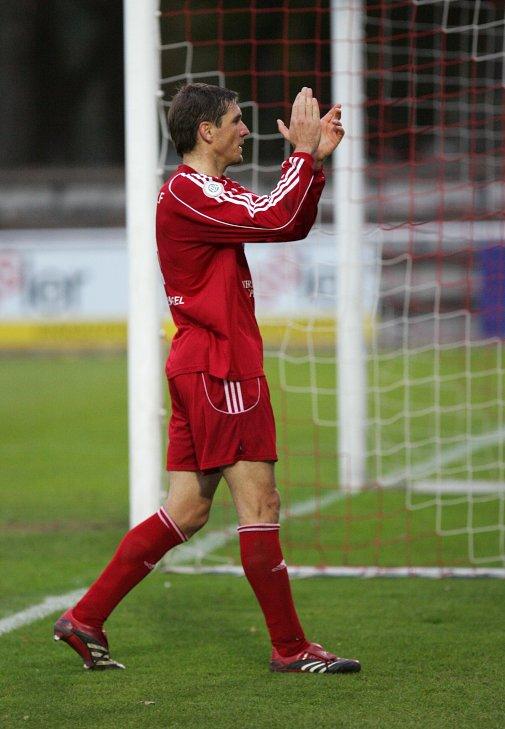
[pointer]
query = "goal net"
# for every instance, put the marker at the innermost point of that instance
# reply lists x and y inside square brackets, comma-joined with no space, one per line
[384,329]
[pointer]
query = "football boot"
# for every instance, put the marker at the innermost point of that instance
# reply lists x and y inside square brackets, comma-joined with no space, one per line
[313,659]
[90,643]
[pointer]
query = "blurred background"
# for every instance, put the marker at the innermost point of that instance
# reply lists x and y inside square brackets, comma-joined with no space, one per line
[61,117]
[61,81]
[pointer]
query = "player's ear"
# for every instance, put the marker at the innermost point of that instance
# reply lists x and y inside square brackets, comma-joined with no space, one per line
[205,131]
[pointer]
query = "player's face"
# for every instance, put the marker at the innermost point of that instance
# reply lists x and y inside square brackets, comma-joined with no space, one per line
[230,135]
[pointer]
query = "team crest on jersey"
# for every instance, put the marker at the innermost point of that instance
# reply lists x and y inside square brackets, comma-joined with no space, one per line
[213,188]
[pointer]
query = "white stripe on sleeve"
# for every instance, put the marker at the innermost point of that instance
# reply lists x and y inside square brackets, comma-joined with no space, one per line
[261,204]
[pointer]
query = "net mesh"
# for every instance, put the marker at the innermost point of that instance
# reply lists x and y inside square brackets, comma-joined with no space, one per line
[433,272]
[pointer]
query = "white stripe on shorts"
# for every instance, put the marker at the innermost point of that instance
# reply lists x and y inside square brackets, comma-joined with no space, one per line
[227,395]
[239,396]
[234,397]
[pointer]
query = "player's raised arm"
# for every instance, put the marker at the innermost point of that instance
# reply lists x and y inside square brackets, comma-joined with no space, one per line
[224,212]
[199,197]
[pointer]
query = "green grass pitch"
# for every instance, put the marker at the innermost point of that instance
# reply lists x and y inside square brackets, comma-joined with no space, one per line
[195,647]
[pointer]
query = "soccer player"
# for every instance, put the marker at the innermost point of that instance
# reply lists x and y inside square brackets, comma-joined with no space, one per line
[222,424]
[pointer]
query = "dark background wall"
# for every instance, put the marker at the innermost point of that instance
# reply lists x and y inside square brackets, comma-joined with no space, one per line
[61,91]
[61,66]
[61,83]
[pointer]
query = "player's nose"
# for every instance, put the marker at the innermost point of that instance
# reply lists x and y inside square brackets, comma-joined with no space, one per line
[244,132]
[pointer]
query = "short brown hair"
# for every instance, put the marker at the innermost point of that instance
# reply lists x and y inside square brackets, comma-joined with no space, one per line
[193,104]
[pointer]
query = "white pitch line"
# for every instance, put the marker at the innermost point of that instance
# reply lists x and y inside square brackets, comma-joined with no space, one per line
[197,550]
[304,571]
[201,547]
[51,604]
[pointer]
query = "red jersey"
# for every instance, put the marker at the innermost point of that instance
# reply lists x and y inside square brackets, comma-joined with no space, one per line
[201,225]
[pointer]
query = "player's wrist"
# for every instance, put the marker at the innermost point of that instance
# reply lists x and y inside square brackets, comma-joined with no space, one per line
[319,157]
[304,149]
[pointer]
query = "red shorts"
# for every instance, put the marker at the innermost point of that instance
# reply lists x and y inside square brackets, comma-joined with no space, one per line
[216,422]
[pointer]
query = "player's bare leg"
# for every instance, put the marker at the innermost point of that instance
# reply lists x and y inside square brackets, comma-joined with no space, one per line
[185,511]
[254,492]
[252,485]
[190,498]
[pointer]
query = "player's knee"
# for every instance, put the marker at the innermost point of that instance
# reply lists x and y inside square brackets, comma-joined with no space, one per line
[274,503]
[194,522]
[268,507]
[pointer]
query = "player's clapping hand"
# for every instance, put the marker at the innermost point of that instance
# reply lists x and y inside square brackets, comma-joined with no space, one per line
[330,126]
[304,131]
[332,133]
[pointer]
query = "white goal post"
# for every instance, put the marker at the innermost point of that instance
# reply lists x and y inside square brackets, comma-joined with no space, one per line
[347,29]
[144,350]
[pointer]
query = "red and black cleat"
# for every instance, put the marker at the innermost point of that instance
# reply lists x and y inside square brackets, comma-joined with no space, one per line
[313,659]
[90,643]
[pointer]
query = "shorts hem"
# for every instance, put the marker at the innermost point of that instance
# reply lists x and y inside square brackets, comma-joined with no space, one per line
[213,465]
[234,376]
[236,459]
[172,467]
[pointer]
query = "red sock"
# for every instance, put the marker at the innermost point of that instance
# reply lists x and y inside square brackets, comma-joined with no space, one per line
[138,552]
[266,571]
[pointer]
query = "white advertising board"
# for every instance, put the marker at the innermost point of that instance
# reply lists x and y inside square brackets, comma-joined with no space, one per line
[81,275]
[63,275]
[77,275]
